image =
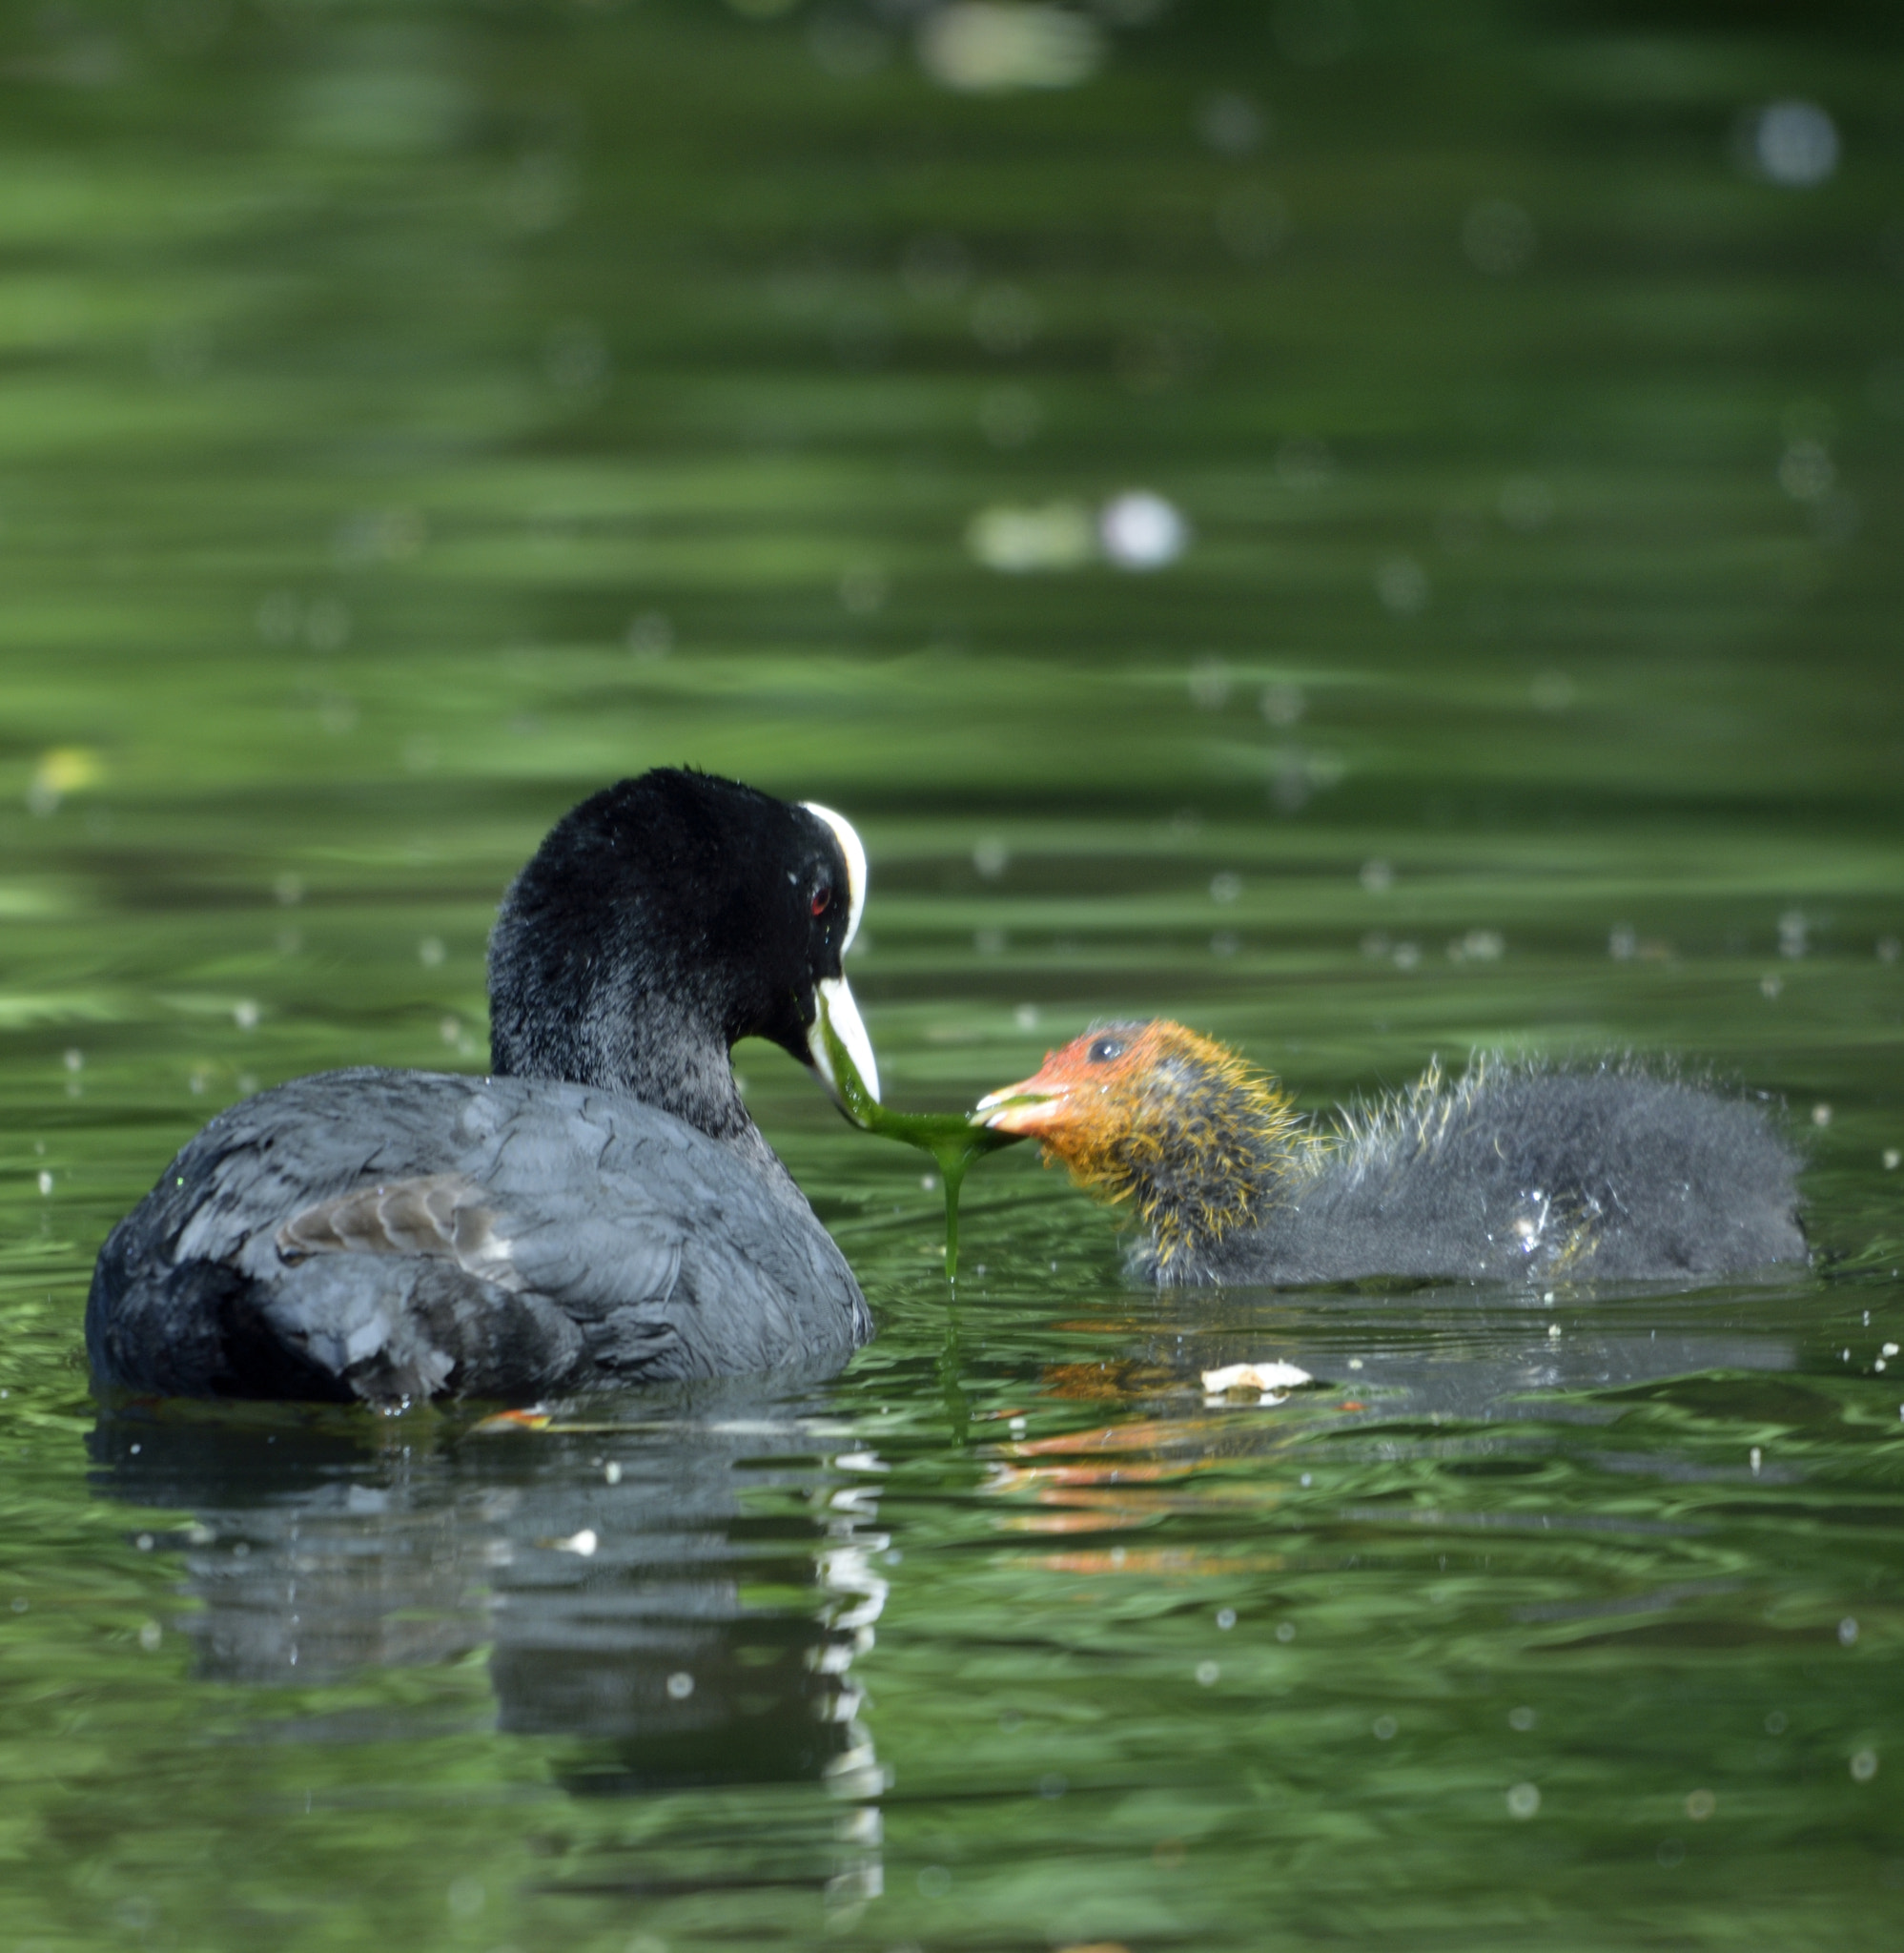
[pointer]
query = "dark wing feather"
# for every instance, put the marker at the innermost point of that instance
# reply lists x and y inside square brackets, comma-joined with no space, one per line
[398,1234]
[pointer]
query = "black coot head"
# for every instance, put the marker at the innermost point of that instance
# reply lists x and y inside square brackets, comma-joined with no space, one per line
[663,920]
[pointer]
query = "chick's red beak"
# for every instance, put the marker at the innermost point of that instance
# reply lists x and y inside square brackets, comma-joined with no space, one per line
[1032,1108]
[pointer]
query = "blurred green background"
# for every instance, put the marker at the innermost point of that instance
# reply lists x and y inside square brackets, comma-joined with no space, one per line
[1372,526]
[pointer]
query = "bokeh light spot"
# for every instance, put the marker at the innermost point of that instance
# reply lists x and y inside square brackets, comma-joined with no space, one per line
[978,47]
[1792,143]
[1141,531]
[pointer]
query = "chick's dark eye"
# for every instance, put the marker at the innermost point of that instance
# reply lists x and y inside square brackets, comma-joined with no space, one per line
[822,899]
[1105,1049]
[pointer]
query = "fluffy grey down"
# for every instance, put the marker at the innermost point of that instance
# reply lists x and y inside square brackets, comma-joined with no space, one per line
[1526,1174]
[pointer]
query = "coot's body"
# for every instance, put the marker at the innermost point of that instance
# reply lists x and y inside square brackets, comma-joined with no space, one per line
[601,1210]
[1510,1173]
[393,1235]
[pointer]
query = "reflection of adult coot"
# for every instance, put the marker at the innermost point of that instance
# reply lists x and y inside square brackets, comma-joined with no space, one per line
[315,1552]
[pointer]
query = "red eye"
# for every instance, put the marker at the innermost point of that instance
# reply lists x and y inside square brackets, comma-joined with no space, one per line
[822,900]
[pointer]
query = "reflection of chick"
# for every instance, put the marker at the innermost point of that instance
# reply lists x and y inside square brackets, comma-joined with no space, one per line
[1510,1172]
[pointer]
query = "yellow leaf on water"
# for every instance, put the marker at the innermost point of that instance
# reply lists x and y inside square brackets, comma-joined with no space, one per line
[67,769]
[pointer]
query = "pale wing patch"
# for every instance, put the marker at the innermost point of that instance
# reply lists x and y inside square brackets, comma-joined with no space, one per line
[442,1215]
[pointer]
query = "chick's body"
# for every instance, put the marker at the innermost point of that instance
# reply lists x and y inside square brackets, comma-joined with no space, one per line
[1508,1173]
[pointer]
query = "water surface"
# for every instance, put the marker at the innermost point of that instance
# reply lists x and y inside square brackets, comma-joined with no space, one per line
[411,420]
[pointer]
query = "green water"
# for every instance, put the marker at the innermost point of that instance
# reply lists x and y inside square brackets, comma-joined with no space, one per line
[954,1142]
[412,417]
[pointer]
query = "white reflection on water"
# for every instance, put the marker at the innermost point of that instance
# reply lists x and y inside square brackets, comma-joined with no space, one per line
[1794,143]
[977,47]
[1019,540]
[1403,585]
[1230,123]
[1499,237]
[1142,530]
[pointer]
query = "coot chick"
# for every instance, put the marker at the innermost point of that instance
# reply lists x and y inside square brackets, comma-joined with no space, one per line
[1512,1172]
[601,1209]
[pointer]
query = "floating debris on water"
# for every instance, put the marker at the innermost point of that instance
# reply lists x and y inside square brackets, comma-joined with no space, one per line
[1271,1379]
[535,1419]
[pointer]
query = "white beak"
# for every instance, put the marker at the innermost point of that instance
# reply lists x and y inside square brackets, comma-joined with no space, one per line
[838,1012]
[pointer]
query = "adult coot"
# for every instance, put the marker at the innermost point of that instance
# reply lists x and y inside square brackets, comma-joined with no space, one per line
[601,1209]
[1512,1172]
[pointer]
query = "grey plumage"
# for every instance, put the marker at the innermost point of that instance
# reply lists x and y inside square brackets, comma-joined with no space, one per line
[601,1210]
[1524,1173]
[526,1230]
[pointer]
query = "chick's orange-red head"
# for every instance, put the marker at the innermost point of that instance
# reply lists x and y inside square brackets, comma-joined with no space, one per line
[1091,1085]
[1185,1129]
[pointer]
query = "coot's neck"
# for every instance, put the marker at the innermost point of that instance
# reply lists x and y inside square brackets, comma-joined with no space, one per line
[663,1057]
[556,1011]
